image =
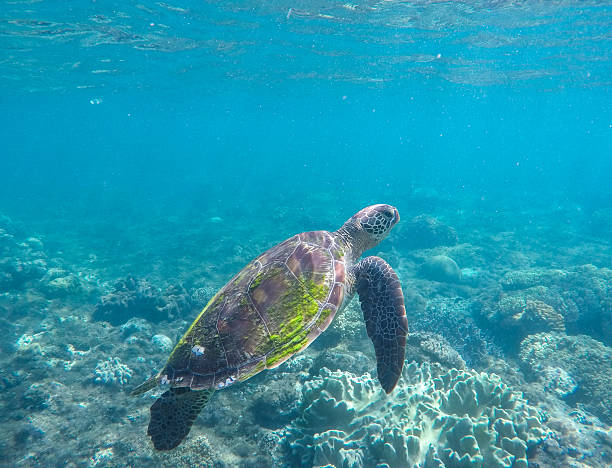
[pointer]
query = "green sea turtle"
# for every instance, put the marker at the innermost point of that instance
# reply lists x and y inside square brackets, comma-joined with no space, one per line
[274,308]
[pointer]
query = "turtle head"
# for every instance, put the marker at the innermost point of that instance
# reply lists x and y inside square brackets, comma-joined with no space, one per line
[368,227]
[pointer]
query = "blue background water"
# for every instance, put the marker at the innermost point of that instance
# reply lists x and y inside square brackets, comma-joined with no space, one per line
[206,106]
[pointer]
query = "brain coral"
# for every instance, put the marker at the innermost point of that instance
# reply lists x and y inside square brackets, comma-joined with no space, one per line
[435,418]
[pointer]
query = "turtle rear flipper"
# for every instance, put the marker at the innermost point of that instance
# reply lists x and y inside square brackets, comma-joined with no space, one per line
[173,414]
[145,386]
[382,302]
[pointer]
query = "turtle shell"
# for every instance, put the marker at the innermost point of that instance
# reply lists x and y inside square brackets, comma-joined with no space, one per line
[272,309]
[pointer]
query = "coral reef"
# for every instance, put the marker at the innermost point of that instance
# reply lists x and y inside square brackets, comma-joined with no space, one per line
[275,403]
[135,326]
[137,298]
[586,361]
[581,298]
[471,276]
[558,381]
[201,296]
[112,371]
[24,265]
[521,313]
[356,361]
[523,279]
[65,378]
[573,437]
[431,347]
[451,319]
[199,453]
[435,418]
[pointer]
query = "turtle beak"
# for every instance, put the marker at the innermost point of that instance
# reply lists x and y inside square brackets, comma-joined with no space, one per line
[396,216]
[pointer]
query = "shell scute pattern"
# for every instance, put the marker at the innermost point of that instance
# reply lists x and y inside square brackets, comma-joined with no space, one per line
[273,308]
[241,331]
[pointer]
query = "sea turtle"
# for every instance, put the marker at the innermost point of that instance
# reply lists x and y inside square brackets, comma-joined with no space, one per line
[274,308]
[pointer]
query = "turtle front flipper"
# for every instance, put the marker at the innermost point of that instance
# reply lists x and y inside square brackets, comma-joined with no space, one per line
[173,414]
[382,302]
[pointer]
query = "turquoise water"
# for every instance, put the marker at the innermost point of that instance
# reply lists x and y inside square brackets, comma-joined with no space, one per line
[173,143]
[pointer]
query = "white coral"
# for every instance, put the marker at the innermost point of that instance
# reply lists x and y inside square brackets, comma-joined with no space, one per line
[434,418]
[112,371]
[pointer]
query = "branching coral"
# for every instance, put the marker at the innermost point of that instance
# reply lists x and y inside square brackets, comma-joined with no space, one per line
[112,371]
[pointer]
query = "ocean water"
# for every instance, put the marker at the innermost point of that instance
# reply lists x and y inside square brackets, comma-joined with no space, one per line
[150,150]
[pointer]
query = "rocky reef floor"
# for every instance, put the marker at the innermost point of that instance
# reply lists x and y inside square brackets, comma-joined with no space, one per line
[509,359]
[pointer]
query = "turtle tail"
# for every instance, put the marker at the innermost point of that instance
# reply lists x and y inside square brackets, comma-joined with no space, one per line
[173,414]
[146,386]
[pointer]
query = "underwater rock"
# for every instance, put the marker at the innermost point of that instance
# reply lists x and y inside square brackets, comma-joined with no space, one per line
[162,343]
[59,283]
[441,268]
[434,418]
[10,379]
[112,372]
[431,347]
[425,232]
[137,298]
[587,361]
[135,326]
[605,437]
[28,347]
[558,381]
